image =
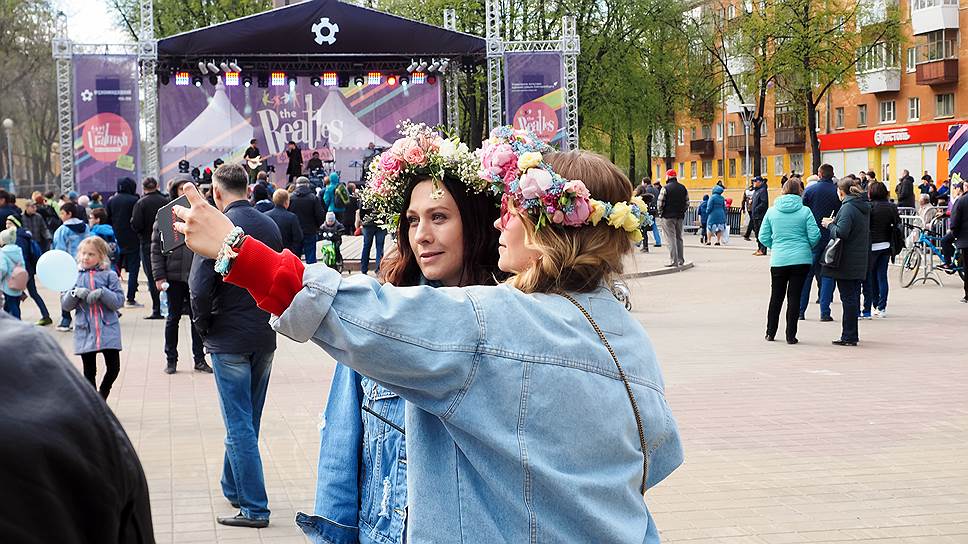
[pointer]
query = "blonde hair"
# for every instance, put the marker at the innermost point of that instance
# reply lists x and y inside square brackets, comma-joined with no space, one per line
[280,198]
[577,259]
[100,247]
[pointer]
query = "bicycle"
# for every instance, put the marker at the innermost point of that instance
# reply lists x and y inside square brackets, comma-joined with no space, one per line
[918,263]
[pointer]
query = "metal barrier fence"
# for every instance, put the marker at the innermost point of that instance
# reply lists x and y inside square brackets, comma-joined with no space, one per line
[734,218]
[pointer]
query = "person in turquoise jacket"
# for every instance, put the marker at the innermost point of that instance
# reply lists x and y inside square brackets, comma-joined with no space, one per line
[791,232]
[716,215]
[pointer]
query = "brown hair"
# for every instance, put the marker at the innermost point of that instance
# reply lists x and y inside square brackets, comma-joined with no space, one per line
[792,186]
[478,212]
[578,259]
[101,215]
[876,190]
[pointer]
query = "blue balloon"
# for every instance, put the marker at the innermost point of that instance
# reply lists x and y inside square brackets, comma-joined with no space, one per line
[57,270]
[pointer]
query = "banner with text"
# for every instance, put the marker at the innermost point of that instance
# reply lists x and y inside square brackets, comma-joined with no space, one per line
[201,124]
[957,153]
[106,131]
[534,90]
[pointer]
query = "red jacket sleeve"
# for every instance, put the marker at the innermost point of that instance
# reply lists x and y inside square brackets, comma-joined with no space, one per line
[273,279]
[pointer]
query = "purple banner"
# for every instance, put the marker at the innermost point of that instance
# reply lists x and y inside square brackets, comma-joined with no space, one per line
[106,133]
[533,85]
[201,124]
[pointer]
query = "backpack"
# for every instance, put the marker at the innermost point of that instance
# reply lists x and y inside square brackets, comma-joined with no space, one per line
[18,278]
[115,249]
[342,194]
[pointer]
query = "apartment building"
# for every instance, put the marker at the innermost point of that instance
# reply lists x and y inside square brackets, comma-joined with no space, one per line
[892,114]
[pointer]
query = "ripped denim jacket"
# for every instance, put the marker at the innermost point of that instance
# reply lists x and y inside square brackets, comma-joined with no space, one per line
[361,489]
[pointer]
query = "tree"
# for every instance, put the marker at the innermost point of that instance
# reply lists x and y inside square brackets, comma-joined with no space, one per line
[175,16]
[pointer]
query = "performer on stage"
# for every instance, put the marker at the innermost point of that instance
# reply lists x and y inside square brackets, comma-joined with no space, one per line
[294,170]
[253,160]
[314,163]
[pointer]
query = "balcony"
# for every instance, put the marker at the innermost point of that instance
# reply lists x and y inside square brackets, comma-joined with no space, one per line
[702,147]
[939,72]
[790,137]
[931,15]
[872,12]
[880,80]
[738,142]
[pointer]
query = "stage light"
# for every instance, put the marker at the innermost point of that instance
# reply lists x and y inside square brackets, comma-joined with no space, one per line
[231,79]
[330,79]
[247,81]
[444,63]
[263,81]
[431,80]
[374,78]
[213,79]
[314,81]
[278,79]
[343,81]
[434,66]
[183,78]
[418,77]
[234,66]
[212,68]
[392,81]
[291,81]
[202,68]
[413,66]
[404,80]
[223,66]
[197,81]
[359,81]
[164,79]
[422,67]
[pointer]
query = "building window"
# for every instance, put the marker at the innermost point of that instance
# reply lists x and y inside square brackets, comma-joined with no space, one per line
[914,109]
[923,4]
[879,57]
[912,59]
[682,169]
[730,11]
[862,115]
[692,133]
[839,118]
[763,130]
[888,114]
[763,166]
[732,168]
[707,169]
[719,132]
[937,45]
[944,105]
[796,162]
[707,132]
[732,128]
[680,137]
[692,169]
[719,167]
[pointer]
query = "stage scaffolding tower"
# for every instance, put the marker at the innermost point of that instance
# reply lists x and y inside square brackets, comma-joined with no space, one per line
[148,57]
[451,79]
[62,51]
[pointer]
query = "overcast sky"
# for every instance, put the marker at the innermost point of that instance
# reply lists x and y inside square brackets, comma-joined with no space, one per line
[91,21]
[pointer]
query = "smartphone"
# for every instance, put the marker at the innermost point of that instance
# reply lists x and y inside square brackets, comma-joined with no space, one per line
[171,239]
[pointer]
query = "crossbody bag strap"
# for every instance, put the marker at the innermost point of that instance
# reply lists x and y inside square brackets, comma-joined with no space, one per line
[628,389]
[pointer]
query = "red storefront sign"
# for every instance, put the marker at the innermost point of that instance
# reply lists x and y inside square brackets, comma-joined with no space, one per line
[887,136]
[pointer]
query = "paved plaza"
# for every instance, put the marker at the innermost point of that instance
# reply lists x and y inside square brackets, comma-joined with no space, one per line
[783,444]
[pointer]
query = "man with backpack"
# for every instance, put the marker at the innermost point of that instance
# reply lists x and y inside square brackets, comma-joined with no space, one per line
[31,252]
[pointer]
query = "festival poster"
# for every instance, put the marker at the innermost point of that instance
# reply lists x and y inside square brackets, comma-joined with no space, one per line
[534,90]
[106,132]
[201,124]
[957,151]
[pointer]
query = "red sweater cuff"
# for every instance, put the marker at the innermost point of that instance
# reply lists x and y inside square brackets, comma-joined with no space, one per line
[273,279]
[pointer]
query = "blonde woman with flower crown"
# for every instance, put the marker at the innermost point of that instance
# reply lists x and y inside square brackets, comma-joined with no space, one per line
[537,407]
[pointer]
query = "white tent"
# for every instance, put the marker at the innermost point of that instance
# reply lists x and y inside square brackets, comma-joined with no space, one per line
[355,135]
[220,127]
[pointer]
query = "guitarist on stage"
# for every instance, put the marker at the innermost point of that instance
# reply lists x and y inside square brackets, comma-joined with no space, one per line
[253,160]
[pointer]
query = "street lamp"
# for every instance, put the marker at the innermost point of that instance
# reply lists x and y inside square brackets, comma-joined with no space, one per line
[747,115]
[7,128]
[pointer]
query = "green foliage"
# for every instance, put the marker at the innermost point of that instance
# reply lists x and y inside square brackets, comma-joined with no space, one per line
[175,16]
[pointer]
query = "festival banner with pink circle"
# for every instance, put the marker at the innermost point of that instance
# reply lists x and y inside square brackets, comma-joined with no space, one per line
[106,131]
[534,91]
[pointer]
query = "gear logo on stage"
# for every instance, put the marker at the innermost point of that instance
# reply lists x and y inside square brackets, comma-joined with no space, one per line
[331,29]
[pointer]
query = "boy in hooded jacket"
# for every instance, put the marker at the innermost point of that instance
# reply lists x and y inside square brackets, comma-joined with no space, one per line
[67,238]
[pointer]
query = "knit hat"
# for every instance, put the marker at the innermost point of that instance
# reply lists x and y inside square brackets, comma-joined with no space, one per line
[330,216]
[8,236]
[671,173]
[15,220]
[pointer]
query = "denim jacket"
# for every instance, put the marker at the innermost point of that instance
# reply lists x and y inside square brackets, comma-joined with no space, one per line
[520,428]
[361,482]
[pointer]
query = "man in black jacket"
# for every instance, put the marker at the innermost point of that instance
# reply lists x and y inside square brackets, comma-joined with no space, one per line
[307,207]
[852,226]
[237,335]
[905,190]
[142,221]
[288,223]
[759,204]
[120,209]
[672,206]
[69,472]
[957,235]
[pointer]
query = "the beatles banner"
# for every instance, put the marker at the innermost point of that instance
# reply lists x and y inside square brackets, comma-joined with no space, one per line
[957,151]
[201,124]
[534,90]
[106,132]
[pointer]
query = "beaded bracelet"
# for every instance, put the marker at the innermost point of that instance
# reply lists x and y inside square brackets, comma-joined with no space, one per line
[228,253]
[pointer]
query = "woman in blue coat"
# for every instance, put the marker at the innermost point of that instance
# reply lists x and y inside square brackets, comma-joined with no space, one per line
[716,215]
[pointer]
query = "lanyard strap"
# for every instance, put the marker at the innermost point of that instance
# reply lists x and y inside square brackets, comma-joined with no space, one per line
[628,389]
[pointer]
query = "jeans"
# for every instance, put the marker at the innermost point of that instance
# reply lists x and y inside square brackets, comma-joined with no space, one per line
[32,291]
[673,232]
[369,233]
[787,282]
[309,247]
[242,380]
[948,247]
[826,284]
[11,305]
[755,223]
[131,261]
[655,231]
[112,362]
[876,288]
[178,305]
[152,289]
[850,300]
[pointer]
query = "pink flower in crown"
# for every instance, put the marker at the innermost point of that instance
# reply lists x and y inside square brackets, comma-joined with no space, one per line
[415,155]
[501,156]
[400,147]
[511,174]
[535,183]
[579,213]
[578,187]
[558,217]
[389,163]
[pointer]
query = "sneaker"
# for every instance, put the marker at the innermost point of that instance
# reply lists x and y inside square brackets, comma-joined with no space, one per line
[866,315]
[802,317]
[65,326]
[202,366]
[133,304]
[881,314]
[964,300]
[44,321]
[170,368]
[826,318]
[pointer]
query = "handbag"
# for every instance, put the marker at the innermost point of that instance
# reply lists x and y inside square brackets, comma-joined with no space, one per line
[628,391]
[831,254]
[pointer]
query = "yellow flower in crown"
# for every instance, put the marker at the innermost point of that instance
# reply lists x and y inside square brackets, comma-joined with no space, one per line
[635,235]
[637,200]
[620,213]
[528,160]
[598,211]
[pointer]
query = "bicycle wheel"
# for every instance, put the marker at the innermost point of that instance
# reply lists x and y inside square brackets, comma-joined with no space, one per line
[910,267]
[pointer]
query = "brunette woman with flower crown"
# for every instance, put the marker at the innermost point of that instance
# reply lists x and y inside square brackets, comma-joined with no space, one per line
[538,412]
[444,239]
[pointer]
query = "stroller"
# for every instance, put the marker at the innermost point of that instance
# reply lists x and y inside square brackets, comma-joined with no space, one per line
[332,237]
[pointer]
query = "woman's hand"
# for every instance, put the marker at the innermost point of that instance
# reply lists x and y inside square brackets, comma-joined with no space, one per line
[827,221]
[204,227]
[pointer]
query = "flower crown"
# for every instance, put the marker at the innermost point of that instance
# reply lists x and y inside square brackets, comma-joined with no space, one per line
[512,162]
[422,151]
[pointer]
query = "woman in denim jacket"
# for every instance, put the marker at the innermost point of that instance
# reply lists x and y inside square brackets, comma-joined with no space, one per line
[444,238]
[522,425]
